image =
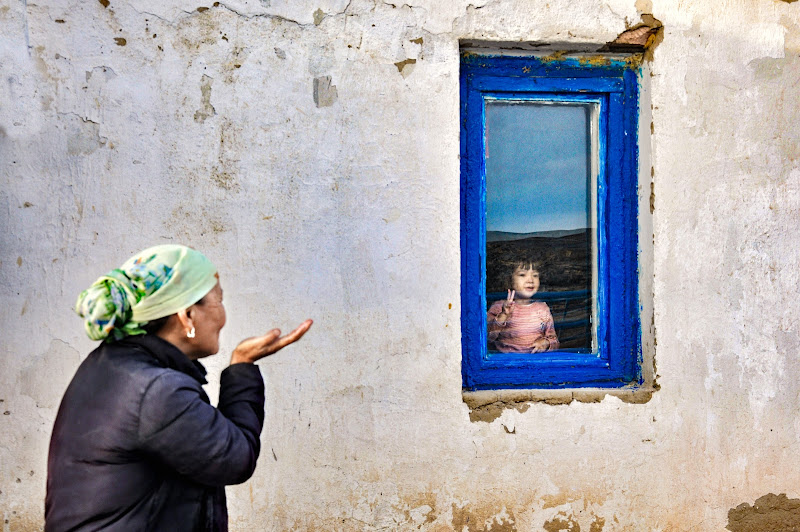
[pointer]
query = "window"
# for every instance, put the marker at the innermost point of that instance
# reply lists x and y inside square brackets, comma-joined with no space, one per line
[549,227]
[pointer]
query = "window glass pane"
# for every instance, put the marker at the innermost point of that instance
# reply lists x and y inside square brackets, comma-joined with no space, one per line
[541,239]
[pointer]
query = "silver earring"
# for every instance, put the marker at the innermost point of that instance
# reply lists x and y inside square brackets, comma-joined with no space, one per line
[190,334]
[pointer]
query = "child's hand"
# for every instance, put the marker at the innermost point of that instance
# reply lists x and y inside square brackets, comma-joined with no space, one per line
[540,345]
[508,304]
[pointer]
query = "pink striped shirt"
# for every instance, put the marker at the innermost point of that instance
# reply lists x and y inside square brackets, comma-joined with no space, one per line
[527,324]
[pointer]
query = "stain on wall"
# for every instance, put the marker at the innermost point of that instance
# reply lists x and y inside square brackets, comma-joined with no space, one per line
[206,110]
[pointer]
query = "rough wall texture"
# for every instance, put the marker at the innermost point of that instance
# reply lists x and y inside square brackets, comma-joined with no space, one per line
[311,150]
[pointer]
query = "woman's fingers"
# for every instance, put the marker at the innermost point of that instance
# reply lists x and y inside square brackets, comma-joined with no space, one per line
[277,344]
[269,338]
[258,347]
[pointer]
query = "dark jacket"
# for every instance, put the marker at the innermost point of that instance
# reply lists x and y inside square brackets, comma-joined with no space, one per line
[137,446]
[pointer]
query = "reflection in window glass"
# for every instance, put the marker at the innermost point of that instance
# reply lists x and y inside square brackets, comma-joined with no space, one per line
[541,239]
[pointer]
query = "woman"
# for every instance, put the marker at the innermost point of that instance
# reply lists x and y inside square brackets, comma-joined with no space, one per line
[136,444]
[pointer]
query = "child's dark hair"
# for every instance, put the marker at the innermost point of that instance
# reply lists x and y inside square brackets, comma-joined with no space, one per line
[525,263]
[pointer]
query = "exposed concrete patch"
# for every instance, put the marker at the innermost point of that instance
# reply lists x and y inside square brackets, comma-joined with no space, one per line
[652,197]
[597,524]
[106,71]
[642,37]
[769,513]
[478,520]
[325,94]
[406,66]
[84,137]
[488,405]
[207,109]
[48,375]
[420,509]
[576,511]
[562,523]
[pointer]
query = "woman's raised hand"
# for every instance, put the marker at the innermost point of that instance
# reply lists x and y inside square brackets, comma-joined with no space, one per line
[258,347]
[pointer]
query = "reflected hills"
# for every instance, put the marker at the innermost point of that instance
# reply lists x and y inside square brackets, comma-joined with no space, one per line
[565,257]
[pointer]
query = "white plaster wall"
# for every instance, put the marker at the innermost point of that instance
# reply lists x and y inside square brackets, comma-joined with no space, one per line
[202,129]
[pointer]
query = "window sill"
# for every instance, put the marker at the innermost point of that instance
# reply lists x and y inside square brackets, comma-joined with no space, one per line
[488,405]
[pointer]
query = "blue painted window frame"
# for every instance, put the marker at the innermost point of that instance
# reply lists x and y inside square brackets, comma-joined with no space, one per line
[613,83]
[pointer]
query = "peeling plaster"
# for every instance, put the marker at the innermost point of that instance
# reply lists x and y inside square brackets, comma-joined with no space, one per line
[325,93]
[47,375]
[405,67]
[481,519]
[84,137]
[770,513]
[563,523]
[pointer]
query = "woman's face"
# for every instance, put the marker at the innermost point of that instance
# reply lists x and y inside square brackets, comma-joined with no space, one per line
[208,316]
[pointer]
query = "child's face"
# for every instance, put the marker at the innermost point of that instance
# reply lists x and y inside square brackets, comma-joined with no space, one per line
[525,282]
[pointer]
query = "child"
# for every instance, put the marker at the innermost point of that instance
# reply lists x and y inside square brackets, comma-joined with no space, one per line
[518,324]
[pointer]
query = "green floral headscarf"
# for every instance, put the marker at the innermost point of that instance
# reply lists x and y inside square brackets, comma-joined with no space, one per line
[154,283]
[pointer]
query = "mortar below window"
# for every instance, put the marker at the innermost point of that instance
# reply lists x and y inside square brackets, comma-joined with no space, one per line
[488,405]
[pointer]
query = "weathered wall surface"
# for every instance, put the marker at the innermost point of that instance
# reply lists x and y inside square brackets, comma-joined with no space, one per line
[311,150]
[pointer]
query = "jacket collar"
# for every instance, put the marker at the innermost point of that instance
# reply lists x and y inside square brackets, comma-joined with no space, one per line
[166,354]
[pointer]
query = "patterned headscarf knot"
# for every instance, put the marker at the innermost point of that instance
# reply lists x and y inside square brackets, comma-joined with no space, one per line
[154,283]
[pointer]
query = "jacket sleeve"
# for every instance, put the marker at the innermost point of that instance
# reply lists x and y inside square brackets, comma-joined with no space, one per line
[212,446]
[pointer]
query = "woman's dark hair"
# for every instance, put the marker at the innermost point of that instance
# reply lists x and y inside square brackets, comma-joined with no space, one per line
[152,327]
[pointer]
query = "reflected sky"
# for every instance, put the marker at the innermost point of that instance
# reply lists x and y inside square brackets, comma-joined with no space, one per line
[537,166]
